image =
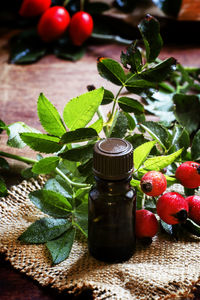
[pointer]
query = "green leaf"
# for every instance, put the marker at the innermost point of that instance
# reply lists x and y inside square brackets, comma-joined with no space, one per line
[2,126]
[195,149]
[27,173]
[136,140]
[78,135]
[160,71]
[136,81]
[26,47]
[150,30]
[180,139]
[111,70]
[191,227]
[141,153]
[186,108]
[98,125]
[120,127]
[81,218]
[60,248]
[79,111]
[59,185]
[86,168]
[49,117]
[65,50]
[132,59]
[14,130]
[51,203]
[157,131]
[131,121]
[41,142]
[108,97]
[131,105]
[81,153]
[3,189]
[159,162]
[45,165]
[44,230]
[4,164]
[169,7]
[135,183]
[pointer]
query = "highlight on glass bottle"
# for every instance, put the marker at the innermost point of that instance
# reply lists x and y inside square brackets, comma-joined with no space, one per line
[112,202]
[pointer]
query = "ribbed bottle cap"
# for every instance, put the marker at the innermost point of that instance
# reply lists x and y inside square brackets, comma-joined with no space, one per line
[113,159]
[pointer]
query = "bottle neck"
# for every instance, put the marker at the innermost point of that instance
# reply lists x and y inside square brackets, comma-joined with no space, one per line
[113,187]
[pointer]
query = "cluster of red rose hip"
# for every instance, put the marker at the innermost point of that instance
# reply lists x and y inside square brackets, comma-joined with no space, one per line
[171,207]
[55,20]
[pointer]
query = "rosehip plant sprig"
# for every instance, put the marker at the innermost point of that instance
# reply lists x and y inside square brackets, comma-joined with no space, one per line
[69,140]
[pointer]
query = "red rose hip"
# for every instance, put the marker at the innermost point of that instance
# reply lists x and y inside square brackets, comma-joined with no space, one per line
[153,183]
[32,8]
[172,208]
[53,23]
[80,28]
[194,208]
[188,173]
[146,225]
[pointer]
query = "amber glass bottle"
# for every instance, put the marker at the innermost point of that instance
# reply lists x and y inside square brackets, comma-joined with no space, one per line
[112,202]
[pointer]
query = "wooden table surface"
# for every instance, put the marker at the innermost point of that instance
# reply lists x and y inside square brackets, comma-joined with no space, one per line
[60,81]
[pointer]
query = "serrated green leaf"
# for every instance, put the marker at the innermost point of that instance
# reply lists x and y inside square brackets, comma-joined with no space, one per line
[14,130]
[59,185]
[81,218]
[137,82]
[132,59]
[81,153]
[120,126]
[49,117]
[141,153]
[111,70]
[3,189]
[78,135]
[41,142]
[44,230]
[79,111]
[26,47]
[45,165]
[51,203]
[180,139]
[131,105]
[150,30]
[157,131]
[159,162]
[27,173]
[98,125]
[195,149]
[60,248]
[108,97]
[186,108]
[136,140]
[160,71]
[4,164]
[131,121]
[135,183]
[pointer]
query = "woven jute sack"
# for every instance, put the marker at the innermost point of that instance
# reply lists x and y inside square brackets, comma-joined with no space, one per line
[164,270]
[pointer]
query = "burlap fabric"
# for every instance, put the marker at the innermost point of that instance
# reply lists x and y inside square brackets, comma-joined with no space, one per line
[164,270]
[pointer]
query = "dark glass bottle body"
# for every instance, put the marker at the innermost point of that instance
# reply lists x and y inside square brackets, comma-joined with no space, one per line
[111,220]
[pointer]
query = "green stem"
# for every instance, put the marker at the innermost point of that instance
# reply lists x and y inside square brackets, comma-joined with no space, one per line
[33,161]
[65,3]
[77,184]
[82,2]
[115,101]
[19,158]
[111,38]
